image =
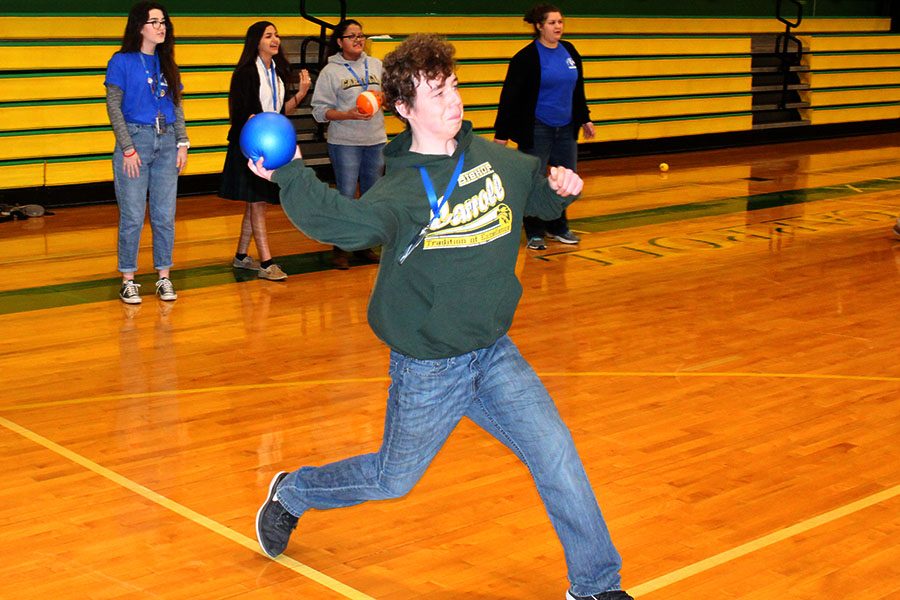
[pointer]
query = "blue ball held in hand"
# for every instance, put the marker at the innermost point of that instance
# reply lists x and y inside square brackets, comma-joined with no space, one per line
[269,135]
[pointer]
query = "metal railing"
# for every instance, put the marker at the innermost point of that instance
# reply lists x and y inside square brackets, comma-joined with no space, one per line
[783,42]
[322,39]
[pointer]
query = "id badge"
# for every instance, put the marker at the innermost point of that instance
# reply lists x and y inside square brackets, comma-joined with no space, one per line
[160,124]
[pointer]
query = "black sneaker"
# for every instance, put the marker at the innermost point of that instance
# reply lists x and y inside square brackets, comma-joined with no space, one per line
[274,524]
[536,243]
[130,292]
[566,237]
[614,595]
[165,290]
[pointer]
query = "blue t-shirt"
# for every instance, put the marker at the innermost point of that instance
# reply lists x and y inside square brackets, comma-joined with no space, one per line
[136,74]
[558,78]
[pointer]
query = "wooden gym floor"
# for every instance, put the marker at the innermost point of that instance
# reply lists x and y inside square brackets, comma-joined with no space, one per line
[724,344]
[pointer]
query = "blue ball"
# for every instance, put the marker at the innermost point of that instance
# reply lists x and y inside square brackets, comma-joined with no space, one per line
[269,135]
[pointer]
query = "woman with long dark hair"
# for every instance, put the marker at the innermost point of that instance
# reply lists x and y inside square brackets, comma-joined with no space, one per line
[143,100]
[258,84]
[542,108]
[355,139]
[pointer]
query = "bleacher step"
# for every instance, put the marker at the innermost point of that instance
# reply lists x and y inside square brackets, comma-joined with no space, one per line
[778,88]
[788,105]
[777,125]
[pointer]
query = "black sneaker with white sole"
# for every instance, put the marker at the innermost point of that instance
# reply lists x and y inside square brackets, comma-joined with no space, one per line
[274,524]
[130,293]
[165,290]
[613,595]
[536,243]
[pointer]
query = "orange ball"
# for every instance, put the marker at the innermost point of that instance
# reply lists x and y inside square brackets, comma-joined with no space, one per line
[368,102]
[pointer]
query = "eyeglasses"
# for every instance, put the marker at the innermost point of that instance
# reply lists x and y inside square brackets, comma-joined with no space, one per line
[156,24]
[361,37]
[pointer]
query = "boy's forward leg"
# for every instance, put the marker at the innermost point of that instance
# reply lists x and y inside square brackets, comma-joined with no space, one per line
[426,401]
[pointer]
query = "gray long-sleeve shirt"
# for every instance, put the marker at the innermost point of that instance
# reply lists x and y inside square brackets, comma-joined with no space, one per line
[114,96]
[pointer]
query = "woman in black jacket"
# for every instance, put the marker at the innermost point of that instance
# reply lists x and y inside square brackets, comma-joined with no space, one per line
[542,107]
[258,84]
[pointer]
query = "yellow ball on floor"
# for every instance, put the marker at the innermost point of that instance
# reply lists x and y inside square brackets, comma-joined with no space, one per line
[663,167]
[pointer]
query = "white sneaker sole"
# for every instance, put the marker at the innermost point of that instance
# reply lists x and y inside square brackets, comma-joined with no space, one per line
[562,240]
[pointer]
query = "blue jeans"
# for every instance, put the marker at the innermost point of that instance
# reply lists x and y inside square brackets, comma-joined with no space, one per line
[159,176]
[557,147]
[497,389]
[352,164]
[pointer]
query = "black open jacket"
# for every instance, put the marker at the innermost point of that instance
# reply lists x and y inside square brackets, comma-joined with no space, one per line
[243,98]
[518,100]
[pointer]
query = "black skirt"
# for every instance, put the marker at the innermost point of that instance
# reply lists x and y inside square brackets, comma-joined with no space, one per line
[239,182]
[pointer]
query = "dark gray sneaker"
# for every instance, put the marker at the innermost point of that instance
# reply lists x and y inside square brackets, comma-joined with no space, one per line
[536,243]
[274,524]
[614,595]
[567,237]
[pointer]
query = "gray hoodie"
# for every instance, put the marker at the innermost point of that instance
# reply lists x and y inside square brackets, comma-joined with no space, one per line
[337,88]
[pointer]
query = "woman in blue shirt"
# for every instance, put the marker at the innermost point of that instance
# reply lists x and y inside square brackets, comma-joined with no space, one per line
[542,108]
[143,100]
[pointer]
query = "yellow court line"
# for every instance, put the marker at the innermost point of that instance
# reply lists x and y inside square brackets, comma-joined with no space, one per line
[760,543]
[183,511]
[384,379]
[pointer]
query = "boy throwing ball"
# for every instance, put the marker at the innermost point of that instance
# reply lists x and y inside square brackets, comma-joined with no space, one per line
[448,216]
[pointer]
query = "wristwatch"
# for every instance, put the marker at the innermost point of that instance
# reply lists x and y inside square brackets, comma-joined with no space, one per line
[183,144]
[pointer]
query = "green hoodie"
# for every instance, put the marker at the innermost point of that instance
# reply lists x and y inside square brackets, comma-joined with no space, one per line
[457,291]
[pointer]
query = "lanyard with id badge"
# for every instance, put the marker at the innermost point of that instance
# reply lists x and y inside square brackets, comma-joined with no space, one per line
[158,87]
[364,83]
[437,204]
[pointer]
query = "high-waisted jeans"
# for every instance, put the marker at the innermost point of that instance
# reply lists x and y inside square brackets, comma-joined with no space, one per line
[159,177]
[557,147]
[352,164]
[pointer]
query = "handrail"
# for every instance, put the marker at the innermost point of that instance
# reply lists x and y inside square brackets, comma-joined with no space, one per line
[782,45]
[322,42]
[789,24]
[322,38]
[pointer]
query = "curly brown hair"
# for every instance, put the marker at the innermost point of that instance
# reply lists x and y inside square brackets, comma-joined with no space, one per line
[421,56]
